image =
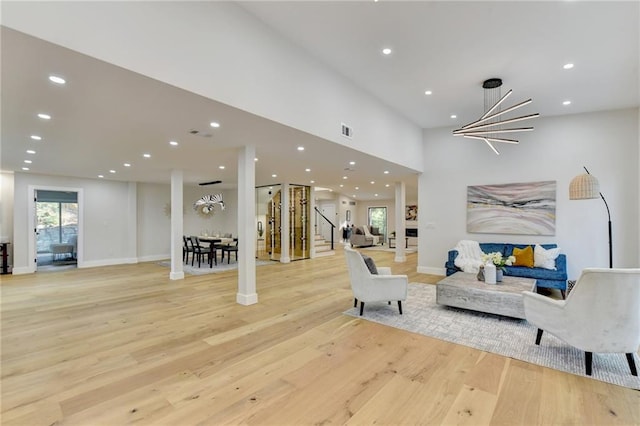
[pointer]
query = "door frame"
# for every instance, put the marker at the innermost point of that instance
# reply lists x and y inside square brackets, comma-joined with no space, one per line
[32,225]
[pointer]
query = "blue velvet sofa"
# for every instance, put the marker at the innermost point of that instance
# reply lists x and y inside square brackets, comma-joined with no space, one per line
[546,278]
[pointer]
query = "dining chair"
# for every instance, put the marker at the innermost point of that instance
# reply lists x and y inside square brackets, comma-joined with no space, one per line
[230,248]
[198,250]
[186,249]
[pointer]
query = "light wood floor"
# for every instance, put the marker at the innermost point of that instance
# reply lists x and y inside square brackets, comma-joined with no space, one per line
[124,344]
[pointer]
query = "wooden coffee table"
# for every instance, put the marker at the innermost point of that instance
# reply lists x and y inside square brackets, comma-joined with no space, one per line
[462,290]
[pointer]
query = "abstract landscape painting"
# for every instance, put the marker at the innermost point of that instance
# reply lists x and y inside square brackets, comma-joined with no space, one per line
[516,208]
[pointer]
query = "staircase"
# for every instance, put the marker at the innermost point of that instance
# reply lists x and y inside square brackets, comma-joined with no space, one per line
[323,247]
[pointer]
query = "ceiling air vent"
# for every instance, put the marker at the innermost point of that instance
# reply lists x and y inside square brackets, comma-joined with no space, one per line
[347,131]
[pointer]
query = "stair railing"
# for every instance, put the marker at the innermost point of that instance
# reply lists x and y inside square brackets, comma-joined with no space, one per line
[333,227]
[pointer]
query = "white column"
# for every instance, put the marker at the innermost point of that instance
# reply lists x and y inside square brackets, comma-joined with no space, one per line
[132,223]
[285,237]
[246,219]
[400,222]
[177,273]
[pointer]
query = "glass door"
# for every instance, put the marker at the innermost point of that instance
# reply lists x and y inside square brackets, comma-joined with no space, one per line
[378,219]
[56,229]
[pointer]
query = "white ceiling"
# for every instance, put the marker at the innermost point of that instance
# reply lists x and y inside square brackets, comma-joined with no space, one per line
[106,116]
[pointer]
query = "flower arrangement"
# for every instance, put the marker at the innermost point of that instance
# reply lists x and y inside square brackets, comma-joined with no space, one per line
[497,259]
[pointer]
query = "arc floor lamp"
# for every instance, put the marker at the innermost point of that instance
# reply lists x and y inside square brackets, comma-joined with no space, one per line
[584,187]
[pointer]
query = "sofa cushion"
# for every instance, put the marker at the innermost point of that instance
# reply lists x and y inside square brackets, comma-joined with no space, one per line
[536,273]
[524,256]
[493,247]
[545,258]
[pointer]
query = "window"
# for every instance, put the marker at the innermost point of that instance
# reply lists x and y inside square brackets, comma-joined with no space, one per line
[378,219]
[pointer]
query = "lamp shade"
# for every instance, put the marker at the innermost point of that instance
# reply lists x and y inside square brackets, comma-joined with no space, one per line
[584,187]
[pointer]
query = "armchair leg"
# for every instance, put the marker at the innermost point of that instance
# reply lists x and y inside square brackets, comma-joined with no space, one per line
[361,308]
[632,364]
[355,303]
[538,336]
[588,360]
[564,294]
[400,306]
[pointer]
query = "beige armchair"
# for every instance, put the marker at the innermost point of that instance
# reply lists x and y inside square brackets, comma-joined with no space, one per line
[601,314]
[368,287]
[359,238]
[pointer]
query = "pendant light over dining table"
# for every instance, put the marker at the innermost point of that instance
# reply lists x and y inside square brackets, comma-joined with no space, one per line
[489,127]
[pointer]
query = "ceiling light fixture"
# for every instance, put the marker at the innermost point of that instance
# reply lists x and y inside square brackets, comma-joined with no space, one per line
[173,143]
[30,151]
[221,167]
[25,169]
[567,66]
[127,165]
[214,124]
[56,79]
[428,92]
[566,103]
[488,126]
[386,51]
[28,161]
[101,176]
[36,137]
[44,116]
[112,171]
[301,148]
[146,155]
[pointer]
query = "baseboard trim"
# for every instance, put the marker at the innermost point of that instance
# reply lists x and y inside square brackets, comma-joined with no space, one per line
[22,270]
[247,299]
[107,262]
[154,258]
[431,270]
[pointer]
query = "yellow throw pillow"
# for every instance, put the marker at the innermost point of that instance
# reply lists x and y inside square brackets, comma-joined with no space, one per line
[524,257]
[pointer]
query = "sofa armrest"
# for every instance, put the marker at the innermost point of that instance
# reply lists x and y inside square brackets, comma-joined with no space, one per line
[561,263]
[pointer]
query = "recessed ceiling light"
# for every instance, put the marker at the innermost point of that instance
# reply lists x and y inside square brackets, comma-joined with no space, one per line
[255,159]
[375,195]
[221,167]
[146,155]
[344,177]
[25,168]
[100,176]
[307,170]
[354,195]
[372,182]
[301,148]
[312,181]
[352,163]
[30,151]
[454,116]
[174,143]
[36,137]
[28,161]
[112,171]
[57,79]
[428,92]
[386,51]
[567,66]
[341,186]
[387,185]
[274,175]
[214,124]
[566,103]
[127,165]
[386,172]
[357,188]
[44,116]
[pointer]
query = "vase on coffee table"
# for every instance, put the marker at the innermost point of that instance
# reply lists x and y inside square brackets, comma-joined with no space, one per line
[499,275]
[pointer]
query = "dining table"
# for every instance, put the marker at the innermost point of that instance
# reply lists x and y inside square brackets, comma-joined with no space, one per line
[214,243]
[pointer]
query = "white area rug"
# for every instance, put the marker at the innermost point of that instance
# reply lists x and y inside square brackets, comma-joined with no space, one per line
[204,268]
[494,333]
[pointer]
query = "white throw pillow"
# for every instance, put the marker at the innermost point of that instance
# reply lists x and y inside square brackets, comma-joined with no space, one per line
[545,258]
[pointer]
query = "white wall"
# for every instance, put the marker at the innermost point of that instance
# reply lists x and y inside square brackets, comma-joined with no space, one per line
[606,143]
[6,207]
[105,213]
[163,39]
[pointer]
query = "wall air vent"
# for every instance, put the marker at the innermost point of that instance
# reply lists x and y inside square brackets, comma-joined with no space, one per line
[347,131]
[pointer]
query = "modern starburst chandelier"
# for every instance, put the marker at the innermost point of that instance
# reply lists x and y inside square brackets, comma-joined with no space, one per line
[489,127]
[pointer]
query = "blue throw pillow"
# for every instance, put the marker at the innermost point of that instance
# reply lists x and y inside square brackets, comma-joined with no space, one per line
[370,264]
